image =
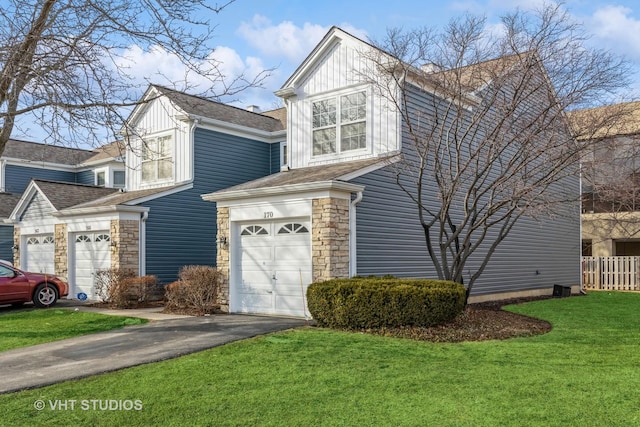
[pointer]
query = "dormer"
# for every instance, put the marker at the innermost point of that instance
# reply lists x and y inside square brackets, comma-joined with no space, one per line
[334,113]
[166,130]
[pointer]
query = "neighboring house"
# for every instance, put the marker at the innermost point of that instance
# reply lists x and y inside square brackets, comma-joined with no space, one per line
[336,211]
[611,179]
[23,161]
[151,220]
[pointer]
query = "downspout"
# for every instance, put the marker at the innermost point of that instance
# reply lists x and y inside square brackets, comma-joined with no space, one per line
[192,136]
[353,267]
[142,244]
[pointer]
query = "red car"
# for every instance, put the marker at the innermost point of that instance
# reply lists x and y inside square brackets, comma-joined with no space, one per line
[18,287]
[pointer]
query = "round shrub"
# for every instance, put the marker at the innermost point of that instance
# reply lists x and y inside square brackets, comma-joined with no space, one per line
[374,302]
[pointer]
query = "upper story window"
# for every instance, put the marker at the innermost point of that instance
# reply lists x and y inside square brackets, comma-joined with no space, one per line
[157,159]
[118,179]
[339,124]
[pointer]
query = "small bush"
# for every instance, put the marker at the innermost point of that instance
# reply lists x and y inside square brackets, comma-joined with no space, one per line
[375,302]
[123,289]
[106,282]
[133,291]
[196,290]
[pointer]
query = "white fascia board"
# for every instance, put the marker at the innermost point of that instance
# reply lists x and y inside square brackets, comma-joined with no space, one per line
[93,164]
[139,109]
[158,195]
[100,210]
[284,190]
[238,130]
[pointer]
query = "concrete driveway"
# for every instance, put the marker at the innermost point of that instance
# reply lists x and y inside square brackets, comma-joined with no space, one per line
[79,357]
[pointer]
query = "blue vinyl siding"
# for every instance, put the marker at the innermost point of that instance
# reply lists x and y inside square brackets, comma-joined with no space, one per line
[390,239]
[275,157]
[18,177]
[536,254]
[6,242]
[86,177]
[181,228]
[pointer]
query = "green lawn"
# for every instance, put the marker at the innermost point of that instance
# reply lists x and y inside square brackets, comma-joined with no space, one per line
[585,372]
[25,328]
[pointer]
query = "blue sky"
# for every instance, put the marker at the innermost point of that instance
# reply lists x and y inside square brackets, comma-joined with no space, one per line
[280,33]
[252,35]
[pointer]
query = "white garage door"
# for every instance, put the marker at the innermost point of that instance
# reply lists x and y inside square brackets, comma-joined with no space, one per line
[92,252]
[273,269]
[38,256]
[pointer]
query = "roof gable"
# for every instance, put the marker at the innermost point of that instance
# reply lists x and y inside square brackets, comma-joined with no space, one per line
[45,197]
[334,37]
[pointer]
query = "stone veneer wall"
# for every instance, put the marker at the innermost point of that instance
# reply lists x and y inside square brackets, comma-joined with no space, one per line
[16,244]
[126,252]
[60,256]
[330,238]
[222,258]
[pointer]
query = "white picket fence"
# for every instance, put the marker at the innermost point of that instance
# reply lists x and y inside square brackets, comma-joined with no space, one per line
[611,273]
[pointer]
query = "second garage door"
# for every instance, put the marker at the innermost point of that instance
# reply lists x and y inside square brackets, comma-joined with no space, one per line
[273,268]
[92,252]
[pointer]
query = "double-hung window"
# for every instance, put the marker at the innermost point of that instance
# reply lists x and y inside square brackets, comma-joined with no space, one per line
[339,124]
[157,159]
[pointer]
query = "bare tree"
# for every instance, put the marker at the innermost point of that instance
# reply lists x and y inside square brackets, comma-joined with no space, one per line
[487,140]
[60,61]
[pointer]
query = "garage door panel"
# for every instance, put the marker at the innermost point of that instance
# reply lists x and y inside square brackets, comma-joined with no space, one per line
[255,303]
[291,305]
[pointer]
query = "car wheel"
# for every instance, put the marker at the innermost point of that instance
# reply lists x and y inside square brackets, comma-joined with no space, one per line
[45,295]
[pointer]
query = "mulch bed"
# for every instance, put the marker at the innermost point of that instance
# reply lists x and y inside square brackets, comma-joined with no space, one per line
[479,322]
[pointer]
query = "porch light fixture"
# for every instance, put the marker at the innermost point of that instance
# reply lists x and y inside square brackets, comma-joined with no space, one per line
[222,241]
[15,247]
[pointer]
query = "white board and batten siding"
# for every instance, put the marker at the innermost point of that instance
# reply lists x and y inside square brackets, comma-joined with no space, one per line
[339,71]
[159,119]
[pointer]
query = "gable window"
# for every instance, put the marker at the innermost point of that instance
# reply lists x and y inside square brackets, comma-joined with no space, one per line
[339,124]
[157,159]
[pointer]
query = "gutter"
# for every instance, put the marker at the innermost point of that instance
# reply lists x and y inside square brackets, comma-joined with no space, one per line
[353,266]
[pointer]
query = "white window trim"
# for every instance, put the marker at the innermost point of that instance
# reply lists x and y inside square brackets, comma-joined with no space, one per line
[368,119]
[109,173]
[154,182]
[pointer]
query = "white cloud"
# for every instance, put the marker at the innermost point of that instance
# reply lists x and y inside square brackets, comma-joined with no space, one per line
[287,39]
[617,29]
[156,65]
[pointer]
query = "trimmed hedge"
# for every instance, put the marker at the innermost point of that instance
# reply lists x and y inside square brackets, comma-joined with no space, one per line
[374,302]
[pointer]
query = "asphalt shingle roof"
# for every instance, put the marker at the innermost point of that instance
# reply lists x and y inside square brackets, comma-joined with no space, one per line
[199,106]
[36,152]
[8,201]
[64,195]
[305,175]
